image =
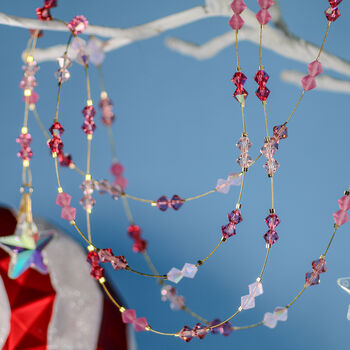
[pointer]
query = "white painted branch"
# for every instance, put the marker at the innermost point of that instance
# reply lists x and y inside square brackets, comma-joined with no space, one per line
[324,82]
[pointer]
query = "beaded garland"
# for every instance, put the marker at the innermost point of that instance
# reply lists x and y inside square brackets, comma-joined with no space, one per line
[93,51]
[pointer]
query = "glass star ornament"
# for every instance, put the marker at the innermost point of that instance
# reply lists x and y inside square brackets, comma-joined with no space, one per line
[24,258]
[344,283]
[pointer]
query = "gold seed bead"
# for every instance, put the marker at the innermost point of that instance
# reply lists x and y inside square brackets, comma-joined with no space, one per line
[26,163]
[258,279]
[30,59]
[244,134]
[104,94]
[54,155]
[27,92]
[72,166]
[32,106]
[89,137]
[245,170]
[148,328]
[102,280]
[272,211]
[238,206]
[240,309]
[89,102]
[90,248]
[269,175]
[200,262]
[88,177]
[24,130]
[347,193]
[72,222]
[336,226]
[224,239]
[122,309]
[322,257]
[60,189]
[153,204]
[267,139]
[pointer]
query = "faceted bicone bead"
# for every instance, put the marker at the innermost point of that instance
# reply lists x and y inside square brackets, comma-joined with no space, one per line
[234,179]
[239,79]
[95,48]
[268,149]
[247,302]
[120,182]
[87,187]
[270,320]
[308,82]
[319,266]
[64,61]
[78,24]
[93,258]
[116,169]
[25,153]
[332,13]
[272,221]
[65,159]
[24,140]
[97,272]
[281,313]
[115,192]
[271,166]
[175,275]
[103,186]
[87,202]
[235,216]
[265,4]
[263,16]
[43,14]
[162,203]
[244,160]
[134,231]
[238,6]
[55,145]
[280,132]
[334,3]
[140,324]
[119,262]
[262,93]
[177,302]
[222,186]
[344,202]
[226,329]
[186,334]
[312,278]
[228,230]
[107,111]
[315,68]
[271,237]
[176,202]
[129,316]
[63,199]
[68,213]
[139,246]
[189,270]
[261,77]
[214,322]
[256,289]
[236,22]
[32,99]
[200,331]
[88,111]
[105,255]
[340,217]
[244,144]
[62,75]
[240,95]
[50,3]
[56,129]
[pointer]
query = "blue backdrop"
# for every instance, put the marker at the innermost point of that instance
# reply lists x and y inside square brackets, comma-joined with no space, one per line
[176,132]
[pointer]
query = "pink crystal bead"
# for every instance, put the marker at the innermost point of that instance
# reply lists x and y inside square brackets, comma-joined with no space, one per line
[78,24]
[55,145]
[65,159]
[235,216]
[105,255]
[140,324]
[262,93]
[340,217]
[261,77]
[247,302]
[215,322]
[129,316]
[281,313]
[56,129]
[25,153]
[240,95]
[271,237]
[116,169]
[162,203]
[271,166]
[272,221]
[344,202]
[167,292]
[280,132]
[32,99]
[222,186]
[315,68]
[236,22]
[244,144]
[89,126]
[139,246]
[319,265]
[228,230]
[265,4]
[87,202]
[93,258]
[186,334]
[200,331]
[263,16]
[189,270]
[308,82]
[244,160]
[270,320]
[238,6]
[119,262]
[97,272]
[176,202]
[108,116]
[332,13]
[256,289]
[134,231]
[226,329]
[24,140]
[175,275]
[63,199]
[177,302]
[312,278]
[68,213]
[268,149]
[120,182]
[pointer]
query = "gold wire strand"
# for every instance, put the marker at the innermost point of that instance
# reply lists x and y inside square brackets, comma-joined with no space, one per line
[151,265]
[296,298]
[243,119]
[330,241]
[266,123]
[296,106]
[210,254]
[237,328]
[101,77]
[110,296]
[29,43]
[41,125]
[34,42]
[127,210]
[255,160]
[87,82]
[137,198]
[265,263]
[162,333]
[112,143]
[324,41]
[260,49]
[193,314]
[241,190]
[78,170]
[88,225]
[26,110]
[272,194]
[88,161]
[237,54]
[145,274]
[57,173]
[200,196]
[82,235]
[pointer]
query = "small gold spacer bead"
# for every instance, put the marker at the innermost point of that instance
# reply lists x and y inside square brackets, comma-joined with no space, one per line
[90,248]
[224,239]
[122,309]
[147,328]
[267,138]
[238,206]
[269,175]
[89,211]
[336,226]
[27,92]
[245,170]
[30,59]
[54,155]
[322,257]
[104,94]
[60,189]
[32,106]
[200,262]
[102,280]
[26,163]
[89,102]
[24,130]
[244,134]
[153,204]
[240,309]
[272,211]
[72,166]
[89,137]
[72,222]
[347,193]
[258,279]
[88,177]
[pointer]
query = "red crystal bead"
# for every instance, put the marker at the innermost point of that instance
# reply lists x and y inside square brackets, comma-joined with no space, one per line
[162,203]
[186,334]
[119,262]
[65,159]
[55,145]
[32,32]
[312,278]
[272,221]
[261,77]
[200,331]
[334,3]
[50,3]
[139,246]
[240,95]
[228,230]
[280,132]
[89,111]
[319,266]
[262,93]
[43,14]
[235,217]
[134,231]
[238,6]
[332,13]
[97,272]
[105,255]
[176,202]
[56,129]
[239,79]
[93,258]
[25,153]
[271,237]
[265,4]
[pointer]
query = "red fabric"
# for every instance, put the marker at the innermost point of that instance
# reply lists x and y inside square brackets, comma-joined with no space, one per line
[31,298]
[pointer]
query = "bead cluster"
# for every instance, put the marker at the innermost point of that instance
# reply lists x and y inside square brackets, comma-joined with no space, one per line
[223,186]
[26,152]
[163,203]
[106,106]
[199,331]
[240,93]
[64,62]
[56,145]
[313,278]
[44,13]
[261,77]
[279,314]
[248,301]
[341,216]
[87,202]
[28,82]
[309,82]
[236,21]
[332,13]
[177,302]
[244,160]
[117,171]
[139,324]
[63,200]
[271,236]
[234,218]
[89,125]
[140,244]
[175,275]
[263,16]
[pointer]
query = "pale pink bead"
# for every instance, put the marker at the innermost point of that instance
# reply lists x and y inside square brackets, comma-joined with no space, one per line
[263,16]
[256,289]
[140,324]
[281,313]
[315,68]
[344,203]
[68,213]
[177,302]
[340,217]
[116,169]
[247,302]
[222,186]
[175,275]
[308,82]
[265,4]
[238,6]
[129,316]
[236,22]
[270,320]
[189,270]
[63,199]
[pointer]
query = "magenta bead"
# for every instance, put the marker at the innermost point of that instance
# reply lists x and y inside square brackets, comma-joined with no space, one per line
[263,16]
[140,324]
[344,203]
[265,4]
[340,217]
[68,213]
[315,68]
[238,6]
[128,316]
[236,22]
[117,169]
[63,199]
[308,82]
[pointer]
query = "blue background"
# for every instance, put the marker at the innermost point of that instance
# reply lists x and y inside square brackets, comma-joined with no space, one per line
[176,132]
